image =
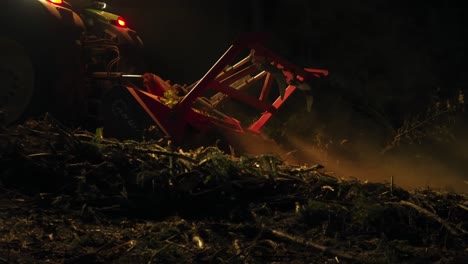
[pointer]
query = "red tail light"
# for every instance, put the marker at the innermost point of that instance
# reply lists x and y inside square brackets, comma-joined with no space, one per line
[57,2]
[121,22]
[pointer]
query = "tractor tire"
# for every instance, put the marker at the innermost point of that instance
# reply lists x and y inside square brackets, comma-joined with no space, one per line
[17,75]
[40,66]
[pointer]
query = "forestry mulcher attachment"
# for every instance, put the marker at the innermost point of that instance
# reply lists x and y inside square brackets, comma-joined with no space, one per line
[192,115]
[69,63]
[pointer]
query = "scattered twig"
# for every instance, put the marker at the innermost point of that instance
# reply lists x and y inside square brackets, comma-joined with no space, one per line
[179,245]
[42,154]
[412,129]
[391,185]
[463,207]
[168,153]
[156,252]
[432,215]
[84,257]
[253,244]
[307,169]
[132,243]
[73,142]
[304,242]
[287,176]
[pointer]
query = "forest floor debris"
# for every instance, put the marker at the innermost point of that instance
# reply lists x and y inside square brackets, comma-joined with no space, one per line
[71,196]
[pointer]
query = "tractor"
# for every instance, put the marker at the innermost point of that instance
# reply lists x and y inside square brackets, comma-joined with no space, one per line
[66,61]
[47,49]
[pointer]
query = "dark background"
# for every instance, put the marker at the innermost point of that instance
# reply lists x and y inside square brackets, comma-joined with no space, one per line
[411,43]
[389,62]
[397,53]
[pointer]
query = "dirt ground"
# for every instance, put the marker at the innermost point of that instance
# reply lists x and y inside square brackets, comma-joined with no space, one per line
[75,197]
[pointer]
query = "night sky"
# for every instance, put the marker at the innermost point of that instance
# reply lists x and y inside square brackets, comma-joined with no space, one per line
[416,43]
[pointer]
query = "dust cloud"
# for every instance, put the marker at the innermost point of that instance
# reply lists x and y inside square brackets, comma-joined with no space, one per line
[366,163]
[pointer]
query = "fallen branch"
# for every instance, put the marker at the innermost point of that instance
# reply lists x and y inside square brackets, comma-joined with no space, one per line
[432,215]
[131,245]
[463,207]
[304,242]
[284,175]
[179,246]
[156,252]
[307,169]
[167,153]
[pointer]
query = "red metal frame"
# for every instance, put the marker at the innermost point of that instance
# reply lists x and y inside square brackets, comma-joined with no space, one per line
[174,120]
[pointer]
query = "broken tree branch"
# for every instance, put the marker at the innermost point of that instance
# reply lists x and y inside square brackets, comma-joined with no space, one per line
[432,215]
[302,241]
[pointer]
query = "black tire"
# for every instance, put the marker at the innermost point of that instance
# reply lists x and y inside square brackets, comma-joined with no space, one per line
[17,77]
[41,60]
